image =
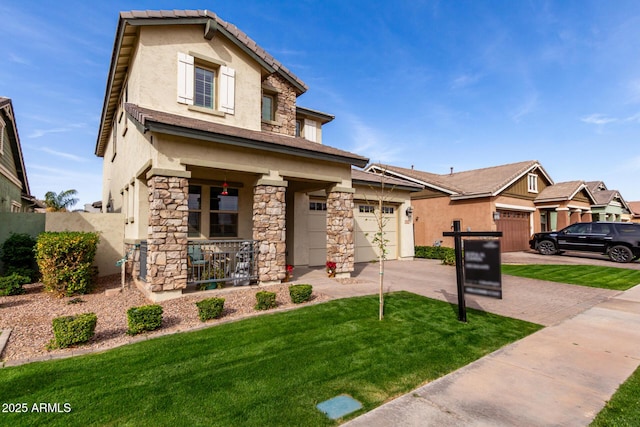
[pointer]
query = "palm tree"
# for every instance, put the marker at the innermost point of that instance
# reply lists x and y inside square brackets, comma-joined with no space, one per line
[60,202]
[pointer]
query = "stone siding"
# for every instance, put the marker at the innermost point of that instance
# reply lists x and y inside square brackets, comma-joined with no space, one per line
[269,229]
[168,226]
[340,243]
[285,107]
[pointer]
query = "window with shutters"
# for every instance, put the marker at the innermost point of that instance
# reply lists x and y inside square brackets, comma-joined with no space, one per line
[206,84]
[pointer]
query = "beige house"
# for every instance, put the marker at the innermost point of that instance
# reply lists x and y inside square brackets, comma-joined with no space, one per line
[517,199]
[218,171]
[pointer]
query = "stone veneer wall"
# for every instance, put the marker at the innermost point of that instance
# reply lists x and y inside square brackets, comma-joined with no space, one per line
[168,226]
[269,229]
[340,243]
[285,107]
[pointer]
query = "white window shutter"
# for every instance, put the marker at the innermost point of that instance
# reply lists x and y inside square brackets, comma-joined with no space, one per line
[227,89]
[185,78]
[310,131]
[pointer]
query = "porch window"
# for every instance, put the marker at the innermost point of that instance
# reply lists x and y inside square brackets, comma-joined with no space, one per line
[223,212]
[195,210]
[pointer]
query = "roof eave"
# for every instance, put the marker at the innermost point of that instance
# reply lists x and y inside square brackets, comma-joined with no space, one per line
[237,141]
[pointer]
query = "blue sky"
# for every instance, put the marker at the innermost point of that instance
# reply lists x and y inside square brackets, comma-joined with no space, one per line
[434,84]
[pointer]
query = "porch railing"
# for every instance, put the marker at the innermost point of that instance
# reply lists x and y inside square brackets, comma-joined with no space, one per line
[232,262]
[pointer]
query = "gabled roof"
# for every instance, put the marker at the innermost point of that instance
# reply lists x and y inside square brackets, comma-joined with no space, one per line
[6,111]
[369,178]
[173,124]
[596,186]
[634,207]
[563,191]
[126,36]
[483,182]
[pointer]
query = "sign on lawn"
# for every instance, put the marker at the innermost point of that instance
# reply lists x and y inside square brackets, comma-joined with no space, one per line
[482,274]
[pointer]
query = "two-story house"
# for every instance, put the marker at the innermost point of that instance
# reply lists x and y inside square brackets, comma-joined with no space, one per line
[206,149]
[14,187]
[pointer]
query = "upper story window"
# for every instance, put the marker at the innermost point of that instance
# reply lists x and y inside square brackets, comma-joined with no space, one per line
[532,180]
[204,88]
[298,128]
[206,83]
[268,107]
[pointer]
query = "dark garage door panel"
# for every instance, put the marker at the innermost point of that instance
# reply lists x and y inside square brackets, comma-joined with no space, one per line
[515,230]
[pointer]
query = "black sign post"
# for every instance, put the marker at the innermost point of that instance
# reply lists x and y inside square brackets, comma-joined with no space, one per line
[457,238]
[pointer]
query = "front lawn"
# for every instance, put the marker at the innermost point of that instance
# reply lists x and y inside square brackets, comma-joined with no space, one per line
[268,370]
[624,407]
[619,279]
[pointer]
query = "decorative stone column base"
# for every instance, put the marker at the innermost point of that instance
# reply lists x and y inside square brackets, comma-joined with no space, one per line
[269,229]
[340,243]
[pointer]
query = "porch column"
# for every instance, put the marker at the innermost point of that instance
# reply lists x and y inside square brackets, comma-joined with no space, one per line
[340,240]
[563,217]
[269,228]
[167,233]
[575,216]
[586,216]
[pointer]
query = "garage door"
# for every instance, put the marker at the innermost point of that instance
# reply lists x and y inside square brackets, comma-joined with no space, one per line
[317,229]
[515,230]
[366,227]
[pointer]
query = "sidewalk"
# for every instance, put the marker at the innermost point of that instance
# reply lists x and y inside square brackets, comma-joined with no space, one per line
[561,375]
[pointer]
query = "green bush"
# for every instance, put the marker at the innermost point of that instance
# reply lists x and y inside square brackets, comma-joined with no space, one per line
[447,255]
[12,285]
[300,293]
[144,318]
[265,300]
[71,330]
[18,256]
[210,308]
[65,260]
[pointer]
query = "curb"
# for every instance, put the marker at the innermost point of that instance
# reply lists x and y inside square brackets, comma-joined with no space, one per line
[4,338]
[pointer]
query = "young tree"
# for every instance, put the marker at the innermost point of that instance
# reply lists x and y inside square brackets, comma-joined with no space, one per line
[60,202]
[379,240]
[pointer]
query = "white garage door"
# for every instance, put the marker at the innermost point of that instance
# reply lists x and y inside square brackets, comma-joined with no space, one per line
[317,229]
[366,227]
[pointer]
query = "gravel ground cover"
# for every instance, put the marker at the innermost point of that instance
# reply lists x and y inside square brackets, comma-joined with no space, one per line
[29,316]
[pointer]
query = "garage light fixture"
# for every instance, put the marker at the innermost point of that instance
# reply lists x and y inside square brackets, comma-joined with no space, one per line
[496,216]
[409,211]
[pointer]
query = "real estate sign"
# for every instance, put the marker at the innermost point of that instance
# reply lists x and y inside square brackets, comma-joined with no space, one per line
[482,275]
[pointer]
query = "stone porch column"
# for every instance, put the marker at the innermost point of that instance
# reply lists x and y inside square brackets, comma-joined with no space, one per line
[167,234]
[340,223]
[269,227]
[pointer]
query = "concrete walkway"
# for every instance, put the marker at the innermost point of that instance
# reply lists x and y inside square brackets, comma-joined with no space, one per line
[561,375]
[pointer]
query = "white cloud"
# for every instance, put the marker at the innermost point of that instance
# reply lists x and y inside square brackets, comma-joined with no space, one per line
[527,107]
[18,59]
[62,154]
[598,119]
[38,133]
[465,80]
[371,142]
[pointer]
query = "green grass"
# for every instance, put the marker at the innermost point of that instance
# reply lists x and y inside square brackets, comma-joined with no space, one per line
[624,407]
[266,371]
[619,279]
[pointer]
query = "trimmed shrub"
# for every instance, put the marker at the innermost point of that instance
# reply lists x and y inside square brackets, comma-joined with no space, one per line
[265,300]
[300,293]
[18,256]
[210,308]
[71,330]
[65,260]
[144,318]
[12,285]
[447,255]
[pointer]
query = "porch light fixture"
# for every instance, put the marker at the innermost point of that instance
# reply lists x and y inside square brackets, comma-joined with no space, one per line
[224,187]
[409,211]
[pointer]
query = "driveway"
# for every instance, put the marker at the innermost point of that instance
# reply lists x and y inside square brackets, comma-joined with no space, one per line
[545,303]
[579,258]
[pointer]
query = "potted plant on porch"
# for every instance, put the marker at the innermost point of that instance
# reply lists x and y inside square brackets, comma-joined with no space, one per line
[331,269]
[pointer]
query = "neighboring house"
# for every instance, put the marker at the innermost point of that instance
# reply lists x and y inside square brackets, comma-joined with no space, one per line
[14,187]
[609,205]
[203,140]
[634,207]
[517,199]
